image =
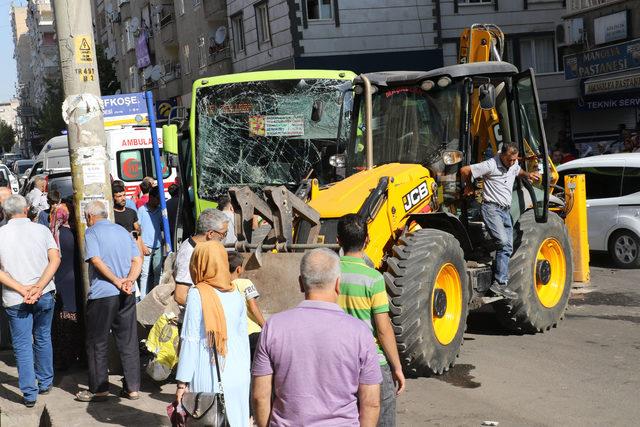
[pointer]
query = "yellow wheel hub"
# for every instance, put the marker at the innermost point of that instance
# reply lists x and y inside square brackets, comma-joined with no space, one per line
[446,304]
[550,272]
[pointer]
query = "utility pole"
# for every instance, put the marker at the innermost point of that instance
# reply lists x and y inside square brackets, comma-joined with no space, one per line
[82,111]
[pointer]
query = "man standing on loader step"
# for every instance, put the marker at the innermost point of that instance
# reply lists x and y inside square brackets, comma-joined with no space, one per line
[363,295]
[499,174]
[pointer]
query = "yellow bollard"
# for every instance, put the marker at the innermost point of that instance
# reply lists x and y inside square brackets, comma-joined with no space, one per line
[576,223]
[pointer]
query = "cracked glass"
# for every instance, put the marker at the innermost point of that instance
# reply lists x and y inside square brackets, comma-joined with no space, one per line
[276,132]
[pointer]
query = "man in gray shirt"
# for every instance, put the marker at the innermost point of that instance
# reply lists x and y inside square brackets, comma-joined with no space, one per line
[499,174]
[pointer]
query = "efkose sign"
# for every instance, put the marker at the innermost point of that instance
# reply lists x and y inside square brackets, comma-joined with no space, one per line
[604,60]
[125,109]
[614,84]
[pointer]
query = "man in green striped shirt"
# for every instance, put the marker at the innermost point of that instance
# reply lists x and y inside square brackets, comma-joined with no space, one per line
[363,295]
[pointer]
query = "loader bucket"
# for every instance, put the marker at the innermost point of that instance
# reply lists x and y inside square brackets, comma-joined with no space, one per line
[276,278]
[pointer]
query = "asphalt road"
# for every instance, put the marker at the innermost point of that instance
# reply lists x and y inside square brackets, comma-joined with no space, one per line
[586,372]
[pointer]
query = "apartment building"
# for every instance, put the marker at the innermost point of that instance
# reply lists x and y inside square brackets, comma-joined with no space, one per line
[45,61]
[22,55]
[36,55]
[163,46]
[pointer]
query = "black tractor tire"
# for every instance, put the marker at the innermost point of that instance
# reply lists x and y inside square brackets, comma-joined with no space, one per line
[526,313]
[411,276]
[624,249]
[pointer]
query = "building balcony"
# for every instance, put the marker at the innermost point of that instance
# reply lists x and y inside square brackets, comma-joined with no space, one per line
[168,33]
[215,9]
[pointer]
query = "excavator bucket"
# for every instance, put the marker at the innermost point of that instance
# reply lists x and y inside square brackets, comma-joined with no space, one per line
[276,279]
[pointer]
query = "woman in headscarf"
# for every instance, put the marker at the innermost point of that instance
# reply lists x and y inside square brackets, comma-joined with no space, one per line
[215,312]
[67,329]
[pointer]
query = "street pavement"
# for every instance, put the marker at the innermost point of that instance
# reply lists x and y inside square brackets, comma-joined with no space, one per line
[585,372]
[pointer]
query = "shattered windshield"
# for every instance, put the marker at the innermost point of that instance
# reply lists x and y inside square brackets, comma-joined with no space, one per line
[275,132]
[410,125]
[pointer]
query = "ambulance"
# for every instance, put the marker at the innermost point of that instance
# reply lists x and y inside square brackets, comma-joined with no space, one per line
[131,157]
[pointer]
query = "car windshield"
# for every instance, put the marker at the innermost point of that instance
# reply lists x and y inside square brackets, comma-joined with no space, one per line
[260,133]
[409,125]
[62,184]
[22,167]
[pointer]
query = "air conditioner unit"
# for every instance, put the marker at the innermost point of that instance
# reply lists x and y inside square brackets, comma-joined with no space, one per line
[573,31]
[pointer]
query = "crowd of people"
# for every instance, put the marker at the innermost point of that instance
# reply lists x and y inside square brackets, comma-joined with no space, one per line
[331,360]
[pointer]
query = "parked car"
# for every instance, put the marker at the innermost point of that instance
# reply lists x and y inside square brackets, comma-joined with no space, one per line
[21,169]
[9,158]
[6,173]
[55,180]
[613,204]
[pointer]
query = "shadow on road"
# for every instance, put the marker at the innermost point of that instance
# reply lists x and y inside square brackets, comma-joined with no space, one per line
[484,321]
[601,260]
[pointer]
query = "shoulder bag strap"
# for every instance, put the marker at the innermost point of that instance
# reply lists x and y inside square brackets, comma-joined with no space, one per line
[215,355]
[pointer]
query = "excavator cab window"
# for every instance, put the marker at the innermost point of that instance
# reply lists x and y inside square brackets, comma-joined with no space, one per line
[410,125]
[533,144]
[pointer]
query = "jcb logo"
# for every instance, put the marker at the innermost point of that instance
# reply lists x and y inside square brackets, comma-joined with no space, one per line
[415,196]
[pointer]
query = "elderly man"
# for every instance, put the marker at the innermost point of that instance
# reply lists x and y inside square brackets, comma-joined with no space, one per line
[114,265]
[29,258]
[499,174]
[36,196]
[211,225]
[320,363]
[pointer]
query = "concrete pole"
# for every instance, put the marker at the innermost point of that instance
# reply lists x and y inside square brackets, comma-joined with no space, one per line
[82,111]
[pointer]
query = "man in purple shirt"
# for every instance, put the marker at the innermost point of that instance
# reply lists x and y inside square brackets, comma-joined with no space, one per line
[320,363]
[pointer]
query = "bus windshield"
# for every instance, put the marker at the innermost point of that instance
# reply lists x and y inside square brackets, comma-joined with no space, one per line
[272,132]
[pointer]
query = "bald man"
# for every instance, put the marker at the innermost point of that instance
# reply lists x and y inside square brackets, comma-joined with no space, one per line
[5,193]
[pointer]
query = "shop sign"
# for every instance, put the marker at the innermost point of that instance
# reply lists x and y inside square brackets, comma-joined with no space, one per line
[606,102]
[617,84]
[604,60]
[610,28]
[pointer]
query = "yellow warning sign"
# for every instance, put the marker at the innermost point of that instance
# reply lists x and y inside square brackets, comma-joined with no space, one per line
[84,53]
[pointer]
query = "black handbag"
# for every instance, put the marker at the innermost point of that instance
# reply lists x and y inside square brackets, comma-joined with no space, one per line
[206,409]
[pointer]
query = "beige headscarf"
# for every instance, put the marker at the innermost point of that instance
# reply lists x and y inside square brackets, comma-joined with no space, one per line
[209,269]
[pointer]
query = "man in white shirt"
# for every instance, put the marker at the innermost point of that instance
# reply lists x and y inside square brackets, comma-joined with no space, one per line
[29,258]
[499,174]
[36,196]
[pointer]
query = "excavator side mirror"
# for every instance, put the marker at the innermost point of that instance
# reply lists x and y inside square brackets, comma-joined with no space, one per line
[487,96]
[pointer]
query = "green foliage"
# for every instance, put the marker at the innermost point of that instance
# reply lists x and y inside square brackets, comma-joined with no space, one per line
[48,121]
[109,83]
[7,136]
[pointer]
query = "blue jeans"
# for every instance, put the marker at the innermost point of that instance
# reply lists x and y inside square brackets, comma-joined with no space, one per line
[151,269]
[30,326]
[498,222]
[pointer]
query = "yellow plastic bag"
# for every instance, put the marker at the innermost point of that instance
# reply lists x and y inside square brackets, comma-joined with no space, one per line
[163,341]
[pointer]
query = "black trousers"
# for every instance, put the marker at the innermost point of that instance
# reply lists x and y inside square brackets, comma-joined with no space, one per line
[116,314]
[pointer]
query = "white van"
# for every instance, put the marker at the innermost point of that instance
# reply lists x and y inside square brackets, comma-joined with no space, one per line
[613,204]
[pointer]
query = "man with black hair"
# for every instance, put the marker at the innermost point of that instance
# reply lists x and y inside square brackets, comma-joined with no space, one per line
[53,199]
[172,208]
[499,174]
[145,186]
[363,295]
[125,216]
